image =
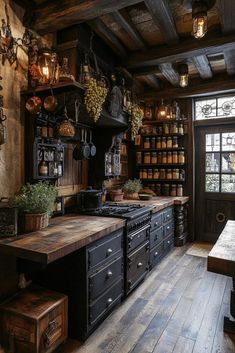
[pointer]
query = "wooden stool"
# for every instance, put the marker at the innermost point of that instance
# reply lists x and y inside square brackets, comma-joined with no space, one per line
[34,321]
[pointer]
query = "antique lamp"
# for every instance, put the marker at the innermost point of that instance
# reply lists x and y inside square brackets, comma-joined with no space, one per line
[183,75]
[162,111]
[46,66]
[199,15]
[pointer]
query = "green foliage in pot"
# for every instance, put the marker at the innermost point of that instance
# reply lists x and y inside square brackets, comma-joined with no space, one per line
[132,186]
[36,198]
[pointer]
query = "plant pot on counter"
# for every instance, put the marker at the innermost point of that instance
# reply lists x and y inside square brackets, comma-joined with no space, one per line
[131,196]
[116,195]
[34,222]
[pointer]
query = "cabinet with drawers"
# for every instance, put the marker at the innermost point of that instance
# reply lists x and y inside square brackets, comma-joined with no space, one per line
[161,235]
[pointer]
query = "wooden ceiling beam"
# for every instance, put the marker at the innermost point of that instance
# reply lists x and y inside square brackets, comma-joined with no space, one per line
[186,49]
[203,66]
[169,73]
[146,71]
[162,16]
[54,15]
[122,17]
[229,57]
[151,80]
[108,37]
[197,87]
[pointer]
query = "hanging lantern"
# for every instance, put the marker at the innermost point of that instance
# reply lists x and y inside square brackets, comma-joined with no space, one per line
[162,111]
[199,14]
[183,75]
[46,66]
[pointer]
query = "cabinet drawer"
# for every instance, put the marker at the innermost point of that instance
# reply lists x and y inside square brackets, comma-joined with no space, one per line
[105,302]
[168,243]
[168,229]
[156,254]
[101,280]
[168,214]
[156,220]
[156,237]
[104,249]
[138,237]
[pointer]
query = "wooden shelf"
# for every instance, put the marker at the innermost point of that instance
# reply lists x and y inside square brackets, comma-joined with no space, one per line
[161,165]
[153,122]
[164,180]
[161,149]
[164,135]
[61,86]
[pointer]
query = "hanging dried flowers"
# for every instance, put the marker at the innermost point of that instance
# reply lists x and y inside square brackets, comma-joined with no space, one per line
[136,117]
[95,96]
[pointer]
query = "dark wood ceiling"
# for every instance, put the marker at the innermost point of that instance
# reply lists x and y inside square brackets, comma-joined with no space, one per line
[151,37]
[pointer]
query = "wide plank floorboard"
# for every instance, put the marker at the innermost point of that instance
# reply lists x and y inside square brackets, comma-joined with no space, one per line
[178,309]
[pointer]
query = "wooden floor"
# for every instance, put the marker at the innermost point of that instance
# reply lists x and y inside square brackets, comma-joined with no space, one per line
[178,309]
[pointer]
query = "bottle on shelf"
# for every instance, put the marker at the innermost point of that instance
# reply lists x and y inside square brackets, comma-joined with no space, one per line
[43,169]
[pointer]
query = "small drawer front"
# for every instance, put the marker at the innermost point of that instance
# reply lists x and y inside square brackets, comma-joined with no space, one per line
[169,243]
[137,238]
[168,214]
[101,280]
[105,302]
[156,254]
[156,237]
[156,221]
[105,249]
[168,229]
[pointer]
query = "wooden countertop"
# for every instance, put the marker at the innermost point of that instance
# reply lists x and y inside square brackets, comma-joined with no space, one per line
[221,259]
[63,236]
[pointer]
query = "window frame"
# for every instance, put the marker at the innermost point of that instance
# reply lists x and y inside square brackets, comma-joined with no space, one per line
[217,117]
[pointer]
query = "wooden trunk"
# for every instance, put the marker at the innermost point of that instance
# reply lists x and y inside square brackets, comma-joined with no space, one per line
[34,321]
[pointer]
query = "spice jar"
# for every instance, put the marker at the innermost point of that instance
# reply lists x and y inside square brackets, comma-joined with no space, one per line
[181,129]
[175,158]
[169,142]
[159,129]
[156,174]
[174,128]
[181,174]
[175,173]
[159,157]
[166,129]
[138,157]
[175,142]
[158,189]
[147,142]
[144,174]
[179,190]
[163,174]
[163,142]
[147,158]
[141,174]
[153,142]
[166,189]
[150,174]
[169,158]
[159,143]
[173,190]
[154,158]
[181,158]
[169,174]
[164,157]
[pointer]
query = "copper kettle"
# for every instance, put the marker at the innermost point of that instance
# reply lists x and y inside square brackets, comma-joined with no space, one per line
[66,128]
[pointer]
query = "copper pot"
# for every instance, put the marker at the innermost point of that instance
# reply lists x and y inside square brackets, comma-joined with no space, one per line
[50,103]
[33,104]
[66,128]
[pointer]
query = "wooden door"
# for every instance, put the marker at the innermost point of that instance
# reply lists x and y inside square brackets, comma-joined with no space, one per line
[215,180]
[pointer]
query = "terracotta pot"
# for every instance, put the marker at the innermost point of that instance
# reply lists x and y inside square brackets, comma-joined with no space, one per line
[116,196]
[34,222]
[131,196]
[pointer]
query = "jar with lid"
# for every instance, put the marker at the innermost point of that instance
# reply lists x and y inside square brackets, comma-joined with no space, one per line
[158,189]
[181,174]
[175,174]
[164,157]
[144,174]
[175,142]
[141,174]
[163,142]
[147,158]
[159,157]
[173,190]
[138,157]
[154,158]
[169,142]
[180,128]
[169,158]
[150,174]
[153,142]
[156,174]
[159,143]
[169,174]
[179,190]
[166,129]
[174,128]
[166,190]
[181,158]
[162,174]
[147,142]
[175,157]
[159,129]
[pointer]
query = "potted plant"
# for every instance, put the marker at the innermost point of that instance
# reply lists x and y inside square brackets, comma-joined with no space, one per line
[131,188]
[116,194]
[36,201]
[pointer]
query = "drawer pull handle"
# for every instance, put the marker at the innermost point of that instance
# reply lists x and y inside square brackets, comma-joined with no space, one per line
[52,326]
[156,223]
[139,264]
[109,274]
[155,254]
[168,241]
[167,216]
[109,251]
[168,227]
[109,301]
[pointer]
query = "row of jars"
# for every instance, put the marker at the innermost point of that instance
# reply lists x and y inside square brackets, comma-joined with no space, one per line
[167,189]
[162,174]
[160,142]
[175,157]
[172,128]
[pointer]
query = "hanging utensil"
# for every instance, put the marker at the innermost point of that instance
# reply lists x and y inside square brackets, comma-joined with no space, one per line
[77,149]
[33,104]
[50,102]
[66,128]
[92,146]
[86,151]
[77,111]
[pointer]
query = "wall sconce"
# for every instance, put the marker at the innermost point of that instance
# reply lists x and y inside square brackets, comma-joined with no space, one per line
[183,75]
[47,63]
[199,15]
[162,111]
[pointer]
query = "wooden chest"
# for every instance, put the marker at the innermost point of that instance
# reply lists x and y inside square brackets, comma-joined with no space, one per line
[34,321]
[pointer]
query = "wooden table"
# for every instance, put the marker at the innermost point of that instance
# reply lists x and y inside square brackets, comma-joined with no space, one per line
[221,260]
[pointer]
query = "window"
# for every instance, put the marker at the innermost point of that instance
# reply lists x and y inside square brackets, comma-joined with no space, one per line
[211,108]
[220,162]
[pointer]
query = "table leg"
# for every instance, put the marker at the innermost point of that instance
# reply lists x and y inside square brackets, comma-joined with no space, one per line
[229,325]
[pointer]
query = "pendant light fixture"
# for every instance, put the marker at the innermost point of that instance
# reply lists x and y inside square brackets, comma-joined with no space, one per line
[183,74]
[162,111]
[199,15]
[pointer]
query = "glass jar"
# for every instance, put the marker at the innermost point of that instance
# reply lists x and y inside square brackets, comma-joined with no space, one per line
[166,190]
[138,157]
[159,157]
[180,128]
[173,190]
[158,189]
[163,142]
[181,174]
[156,174]
[175,174]
[159,129]
[153,142]
[166,129]
[162,174]
[154,158]
[179,190]
[169,142]
[141,174]
[159,143]
[147,158]
[144,174]
[175,157]
[181,158]
[164,157]
[175,142]
[169,174]
[174,128]
[169,158]
[147,142]
[150,174]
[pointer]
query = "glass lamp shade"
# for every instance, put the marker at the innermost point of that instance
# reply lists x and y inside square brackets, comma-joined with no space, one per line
[162,111]
[183,75]
[45,65]
[199,25]
[183,80]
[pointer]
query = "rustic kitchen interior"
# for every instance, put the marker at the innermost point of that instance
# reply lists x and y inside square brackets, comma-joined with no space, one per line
[117,176]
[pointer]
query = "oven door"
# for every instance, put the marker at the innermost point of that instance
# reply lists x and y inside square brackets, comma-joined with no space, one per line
[138,237]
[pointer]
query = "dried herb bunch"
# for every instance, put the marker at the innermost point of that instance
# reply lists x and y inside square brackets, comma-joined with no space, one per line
[136,117]
[95,96]
[132,186]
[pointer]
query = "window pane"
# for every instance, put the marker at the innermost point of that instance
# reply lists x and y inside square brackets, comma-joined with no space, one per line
[212,182]
[205,109]
[226,106]
[228,162]
[228,141]
[212,162]
[212,142]
[228,183]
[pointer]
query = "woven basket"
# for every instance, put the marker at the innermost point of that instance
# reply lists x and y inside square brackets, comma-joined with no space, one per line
[35,222]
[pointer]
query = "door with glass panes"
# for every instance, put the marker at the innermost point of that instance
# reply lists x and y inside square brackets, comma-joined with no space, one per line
[215,180]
